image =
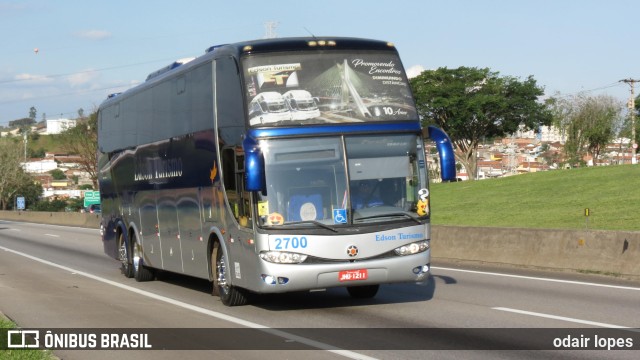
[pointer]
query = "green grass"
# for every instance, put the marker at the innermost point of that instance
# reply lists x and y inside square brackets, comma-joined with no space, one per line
[18,354]
[50,143]
[552,200]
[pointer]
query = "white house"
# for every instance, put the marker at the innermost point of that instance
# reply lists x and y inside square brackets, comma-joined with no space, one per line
[57,126]
[547,134]
[40,166]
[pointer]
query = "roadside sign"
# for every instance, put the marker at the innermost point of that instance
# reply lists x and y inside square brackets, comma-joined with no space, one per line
[91,198]
[20,203]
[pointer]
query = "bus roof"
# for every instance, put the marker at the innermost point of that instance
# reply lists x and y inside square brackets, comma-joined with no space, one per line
[304,43]
[258,46]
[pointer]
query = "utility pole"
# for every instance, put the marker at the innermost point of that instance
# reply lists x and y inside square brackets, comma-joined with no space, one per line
[25,137]
[632,113]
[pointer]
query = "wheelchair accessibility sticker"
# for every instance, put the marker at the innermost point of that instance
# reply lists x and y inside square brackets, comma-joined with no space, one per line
[339,216]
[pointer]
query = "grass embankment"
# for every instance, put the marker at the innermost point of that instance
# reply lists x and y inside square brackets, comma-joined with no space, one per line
[552,200]
[50,143]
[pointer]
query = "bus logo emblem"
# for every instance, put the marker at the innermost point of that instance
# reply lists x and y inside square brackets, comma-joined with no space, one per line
[352,251]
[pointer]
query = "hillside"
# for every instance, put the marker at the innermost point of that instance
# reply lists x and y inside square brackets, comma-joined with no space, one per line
[47,143]
[553,199]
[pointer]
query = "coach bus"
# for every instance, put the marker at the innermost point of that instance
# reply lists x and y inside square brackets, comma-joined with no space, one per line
[190,185]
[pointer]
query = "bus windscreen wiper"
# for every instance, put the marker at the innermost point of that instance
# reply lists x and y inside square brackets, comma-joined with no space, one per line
[414,218]
[318,223]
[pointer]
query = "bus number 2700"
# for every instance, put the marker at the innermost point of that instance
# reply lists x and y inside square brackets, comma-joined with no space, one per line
[291,243]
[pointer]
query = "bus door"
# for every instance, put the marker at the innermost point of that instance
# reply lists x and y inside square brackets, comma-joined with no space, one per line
[233,173]
[239,199]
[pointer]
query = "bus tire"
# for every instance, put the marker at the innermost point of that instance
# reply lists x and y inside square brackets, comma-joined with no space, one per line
[229,295]
[363,292]
[126,267]
[140,271]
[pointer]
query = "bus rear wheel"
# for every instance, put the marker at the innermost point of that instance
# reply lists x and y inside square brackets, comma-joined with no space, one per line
[140,271]
[363,292]
[229,294]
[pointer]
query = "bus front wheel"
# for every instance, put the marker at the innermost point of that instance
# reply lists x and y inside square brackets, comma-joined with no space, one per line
[229,294]
[363,292]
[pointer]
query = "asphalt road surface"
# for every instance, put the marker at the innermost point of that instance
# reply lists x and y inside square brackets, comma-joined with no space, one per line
[58,277]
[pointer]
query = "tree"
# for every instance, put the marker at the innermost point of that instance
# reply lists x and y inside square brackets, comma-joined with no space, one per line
[83,141]
[58,174]
[32,113]
[589,123]
[626,129]
[23,123]
[600,115]
[32,192]
[471,104]
[13,176]
[52,205]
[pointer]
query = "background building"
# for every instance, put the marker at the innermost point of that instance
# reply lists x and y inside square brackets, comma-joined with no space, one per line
[59,125]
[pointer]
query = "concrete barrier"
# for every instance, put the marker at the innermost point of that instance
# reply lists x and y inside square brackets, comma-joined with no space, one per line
[595,251]
[56,218]
[591,251]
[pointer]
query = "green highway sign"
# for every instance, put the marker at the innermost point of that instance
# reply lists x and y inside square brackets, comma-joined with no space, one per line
[91,197]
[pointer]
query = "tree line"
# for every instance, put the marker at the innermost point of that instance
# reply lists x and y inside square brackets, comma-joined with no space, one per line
[15,181]
[472,104]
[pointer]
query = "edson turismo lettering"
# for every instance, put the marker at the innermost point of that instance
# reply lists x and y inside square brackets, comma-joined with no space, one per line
[152,169]
[399,236]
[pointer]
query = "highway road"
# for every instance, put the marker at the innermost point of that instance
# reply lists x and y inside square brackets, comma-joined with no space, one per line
[58,277]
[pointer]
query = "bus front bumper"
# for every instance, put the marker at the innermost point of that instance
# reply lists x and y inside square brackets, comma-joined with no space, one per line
[279,278]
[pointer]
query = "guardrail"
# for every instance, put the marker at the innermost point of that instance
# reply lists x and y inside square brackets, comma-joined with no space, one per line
[593,251]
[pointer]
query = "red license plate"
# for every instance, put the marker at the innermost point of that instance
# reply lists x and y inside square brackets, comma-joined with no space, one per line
[351,275]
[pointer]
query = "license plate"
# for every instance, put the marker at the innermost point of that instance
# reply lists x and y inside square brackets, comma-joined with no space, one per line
[351,275]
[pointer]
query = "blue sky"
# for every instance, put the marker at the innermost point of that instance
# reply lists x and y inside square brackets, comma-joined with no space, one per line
[88,49]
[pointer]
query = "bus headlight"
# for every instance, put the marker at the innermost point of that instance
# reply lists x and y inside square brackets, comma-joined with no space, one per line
[282,257]
[413,248]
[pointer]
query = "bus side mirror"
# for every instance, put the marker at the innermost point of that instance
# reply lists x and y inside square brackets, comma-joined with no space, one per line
[445,150]
[253,165]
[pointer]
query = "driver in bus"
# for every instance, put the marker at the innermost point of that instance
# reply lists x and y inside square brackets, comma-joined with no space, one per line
[365,195]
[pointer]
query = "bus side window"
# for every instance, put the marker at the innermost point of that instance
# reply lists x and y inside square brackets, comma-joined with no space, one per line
[233,174]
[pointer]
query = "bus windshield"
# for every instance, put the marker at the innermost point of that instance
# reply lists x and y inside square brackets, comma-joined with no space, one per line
[318,87]
[310,181]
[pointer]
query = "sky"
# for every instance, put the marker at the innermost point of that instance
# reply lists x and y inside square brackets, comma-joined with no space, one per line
[65,55]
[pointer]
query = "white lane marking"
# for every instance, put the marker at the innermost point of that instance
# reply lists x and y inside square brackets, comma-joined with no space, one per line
[53,235]
[562,318]
[541,279]
[215,314]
